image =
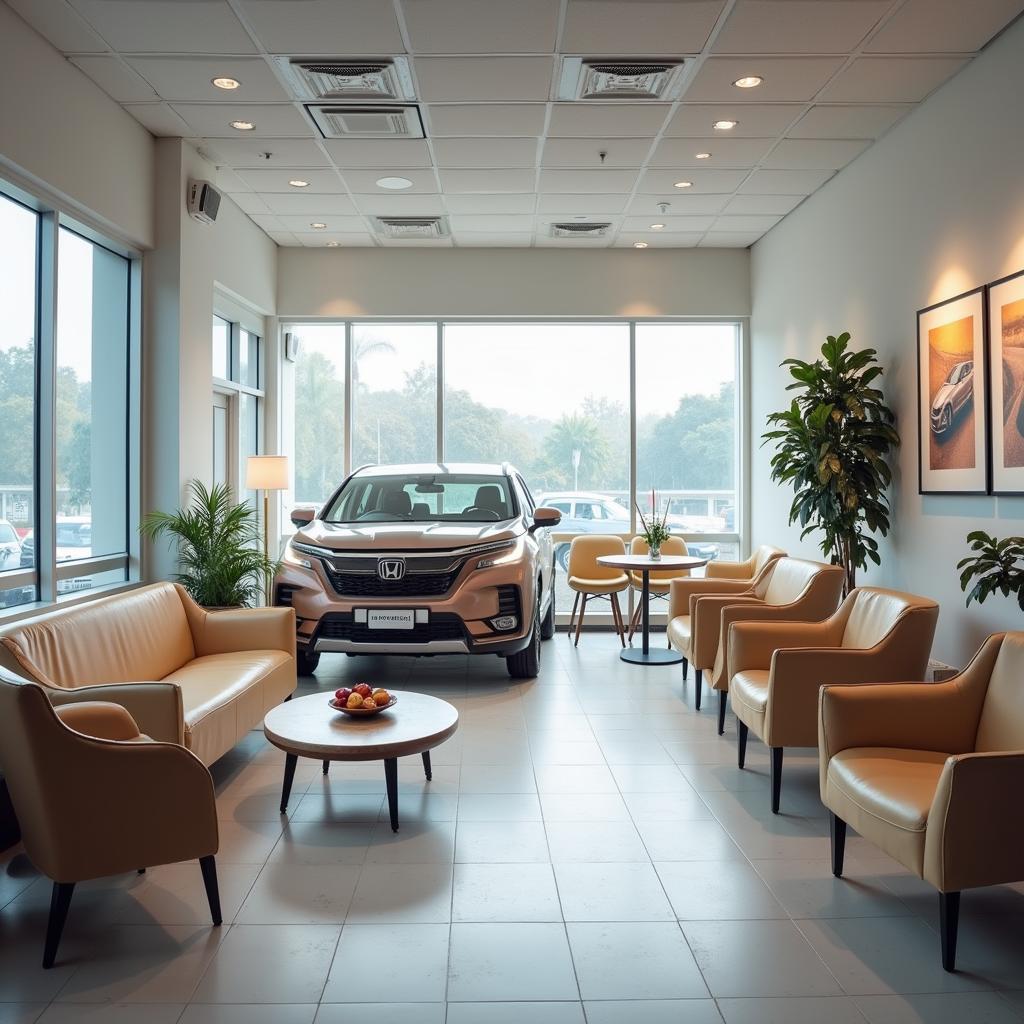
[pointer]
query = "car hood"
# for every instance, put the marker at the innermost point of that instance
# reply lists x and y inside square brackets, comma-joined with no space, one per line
[404,536]
[942,396]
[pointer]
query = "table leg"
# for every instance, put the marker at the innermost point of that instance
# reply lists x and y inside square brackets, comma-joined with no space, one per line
[427,770]
[290,760]
[327,767]
[647,612]
[645,656]
[391,778]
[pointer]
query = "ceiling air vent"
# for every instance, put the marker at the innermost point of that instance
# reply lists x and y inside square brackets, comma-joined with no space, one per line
[374,79]
[412,227]
[593,79]
[350,121]
[579,229]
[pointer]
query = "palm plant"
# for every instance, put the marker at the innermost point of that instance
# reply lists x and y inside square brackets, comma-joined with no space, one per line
[831,445]
[221,560]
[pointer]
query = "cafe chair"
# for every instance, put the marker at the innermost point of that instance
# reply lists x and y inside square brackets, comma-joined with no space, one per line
[876,636]
[659,579]
[589,579]
[96,797]
[747,570]
[932,774]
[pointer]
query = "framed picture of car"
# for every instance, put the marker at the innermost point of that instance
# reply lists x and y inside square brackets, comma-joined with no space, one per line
[1006,382]
[952,396]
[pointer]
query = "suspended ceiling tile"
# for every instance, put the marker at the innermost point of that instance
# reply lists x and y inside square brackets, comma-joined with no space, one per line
[248,202]
[796,26]
[267,179]
[487,79]
[416,243]
[288,154]
[815,154]
[587,152]
[395,204]
[481,26]
[484,180]
[673,225]
[595,121]
[365,181]
[749,222]
[753,120]
[576,181]
[689,205]
[725,152]
[943,26]
[485,153]
[785,183]
[547,242]
[493,241]
[267,221]
[213,120]
[776,205]
[495,224]
[730,239]
[190,79]
[63,26]
[167,26]
[785,79]
[159,119]
[312,27]
[302,222]
[891,79]
[318,206]
[116,79]
[649,27]
[285,238]
[396,153]
[499,202]
[487,119]
[659,239]
[663,182]
[345,239]
[227,181]
[847,122]
[589,204]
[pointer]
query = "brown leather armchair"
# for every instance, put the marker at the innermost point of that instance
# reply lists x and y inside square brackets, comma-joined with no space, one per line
[748,569]
[95,797]
[932,774]
[876,636]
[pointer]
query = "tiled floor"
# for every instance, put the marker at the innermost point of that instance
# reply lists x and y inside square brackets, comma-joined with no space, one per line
[587,851]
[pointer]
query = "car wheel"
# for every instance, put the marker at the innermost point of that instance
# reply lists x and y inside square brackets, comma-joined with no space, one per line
[547,626]
[526,663]
[947,418]
[305,663]
[562,556]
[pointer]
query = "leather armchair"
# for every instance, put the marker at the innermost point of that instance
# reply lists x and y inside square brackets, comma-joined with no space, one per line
[96,797]
[748,569]
[876,636]
[932,774]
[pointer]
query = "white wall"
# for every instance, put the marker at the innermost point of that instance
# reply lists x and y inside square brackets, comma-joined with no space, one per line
[513,282]
[61,132]
[933,209]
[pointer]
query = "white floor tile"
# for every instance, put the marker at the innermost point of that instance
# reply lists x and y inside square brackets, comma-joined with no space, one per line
[505,892]
[300,894]
[951,1008]
[212,1013]
[720,890]
[402,894]
[593,841]
[494,842]
[653,1011]
[808,1010]
[515,1013]
[612,892]
[381,1013]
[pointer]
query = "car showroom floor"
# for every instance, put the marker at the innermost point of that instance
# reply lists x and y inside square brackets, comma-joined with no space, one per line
[587,846]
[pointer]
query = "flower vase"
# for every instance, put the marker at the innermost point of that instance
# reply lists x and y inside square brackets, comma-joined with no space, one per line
[655,552]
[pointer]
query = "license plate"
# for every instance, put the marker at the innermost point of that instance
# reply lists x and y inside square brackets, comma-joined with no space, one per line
[391,619]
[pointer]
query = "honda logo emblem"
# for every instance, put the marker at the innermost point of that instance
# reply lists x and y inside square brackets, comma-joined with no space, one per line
[391,568]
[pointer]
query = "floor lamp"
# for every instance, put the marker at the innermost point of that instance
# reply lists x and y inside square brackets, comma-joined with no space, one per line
[266,473]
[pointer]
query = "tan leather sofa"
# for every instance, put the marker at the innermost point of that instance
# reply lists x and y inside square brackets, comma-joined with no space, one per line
[186,675]
[876,636]
[748,569]
[932,773]
[95,797]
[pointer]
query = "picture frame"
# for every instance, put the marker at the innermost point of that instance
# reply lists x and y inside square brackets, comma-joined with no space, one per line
[1006,383]
[952,395]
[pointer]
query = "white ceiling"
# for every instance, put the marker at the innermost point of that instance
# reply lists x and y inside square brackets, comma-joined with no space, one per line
[502,159]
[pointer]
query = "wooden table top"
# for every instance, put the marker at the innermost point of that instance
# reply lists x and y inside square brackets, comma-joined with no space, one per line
[309,727]
[646,562]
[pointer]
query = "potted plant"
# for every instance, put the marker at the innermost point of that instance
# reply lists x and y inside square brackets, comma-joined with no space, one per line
[994,566]
[655,532]
[220,557]
[831,445]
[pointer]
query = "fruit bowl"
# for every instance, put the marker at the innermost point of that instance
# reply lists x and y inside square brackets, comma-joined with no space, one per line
[362,712]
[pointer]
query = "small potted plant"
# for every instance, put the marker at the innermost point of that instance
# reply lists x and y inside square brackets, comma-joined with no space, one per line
[993,567]
[655,532]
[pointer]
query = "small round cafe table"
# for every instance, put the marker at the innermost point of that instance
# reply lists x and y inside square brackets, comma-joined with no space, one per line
[309,727]
[646,565]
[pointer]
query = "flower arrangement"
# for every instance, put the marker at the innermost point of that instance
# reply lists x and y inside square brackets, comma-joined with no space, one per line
[655,532]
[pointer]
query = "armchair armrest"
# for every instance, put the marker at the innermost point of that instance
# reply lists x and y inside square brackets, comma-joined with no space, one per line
[156,707]
[243,629]
[706,612]
[99,719]
[681,590]
[975,833]
[731,570]
[753,644]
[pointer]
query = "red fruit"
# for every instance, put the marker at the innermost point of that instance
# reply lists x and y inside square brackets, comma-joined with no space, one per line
[342,695]
[362,689]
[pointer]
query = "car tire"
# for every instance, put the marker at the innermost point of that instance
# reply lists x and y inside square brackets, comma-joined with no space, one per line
[525,664]
[562,556]
[305,663]
[547,625]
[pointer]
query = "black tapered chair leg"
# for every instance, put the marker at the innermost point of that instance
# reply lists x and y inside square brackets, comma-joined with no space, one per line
[741,744]
[686,668]
[949,920]
[698,685]
[776,777]
[208,866]
[326,767]
[60,900]
[723,697]
[837,835]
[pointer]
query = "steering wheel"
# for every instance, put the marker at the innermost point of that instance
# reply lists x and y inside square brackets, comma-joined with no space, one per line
[496,516]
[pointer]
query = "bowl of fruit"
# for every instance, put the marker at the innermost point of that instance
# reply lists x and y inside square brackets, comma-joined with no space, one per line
[361,700]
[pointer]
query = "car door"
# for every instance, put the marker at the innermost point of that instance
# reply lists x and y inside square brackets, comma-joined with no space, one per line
[965,386]
[545,545]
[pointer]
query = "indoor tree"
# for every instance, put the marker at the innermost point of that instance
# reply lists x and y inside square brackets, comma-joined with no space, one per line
[831,445]
[995,567]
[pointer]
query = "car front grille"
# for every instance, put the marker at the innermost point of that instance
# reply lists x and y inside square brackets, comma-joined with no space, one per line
[369,584]
[442,626]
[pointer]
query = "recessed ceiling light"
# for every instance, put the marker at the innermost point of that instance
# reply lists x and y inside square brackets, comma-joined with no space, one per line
[317,225]
[298,183]
[226,83]
[748,82]
[394,183]
[333,245]
[639,245]
[657,227]
[724,126]
[242,126]
[682,184]
[702,156]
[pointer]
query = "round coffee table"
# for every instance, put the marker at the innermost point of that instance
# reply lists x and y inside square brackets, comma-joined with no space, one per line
[308,727]
[646,565]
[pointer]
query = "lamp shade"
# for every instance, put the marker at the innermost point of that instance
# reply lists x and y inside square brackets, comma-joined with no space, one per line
[266,473]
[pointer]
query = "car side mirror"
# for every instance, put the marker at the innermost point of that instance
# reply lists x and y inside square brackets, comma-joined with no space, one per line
[544,516]
[303,516]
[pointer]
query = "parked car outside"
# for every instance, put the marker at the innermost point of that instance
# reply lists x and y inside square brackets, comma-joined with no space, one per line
[10,547]
[422,560]
[953,395]
[589,512]
[74,541]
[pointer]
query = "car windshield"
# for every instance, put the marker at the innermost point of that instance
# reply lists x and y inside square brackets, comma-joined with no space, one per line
[956,373]
[7,534]
[434,498]
[74,535]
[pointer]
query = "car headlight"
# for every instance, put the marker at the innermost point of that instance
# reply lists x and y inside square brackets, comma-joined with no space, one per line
[293,555]
[501,555]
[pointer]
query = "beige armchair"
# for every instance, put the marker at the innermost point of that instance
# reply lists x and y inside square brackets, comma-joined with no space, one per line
[876,636]
[96,797]
[589,579]
[748,569]
[933,774]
